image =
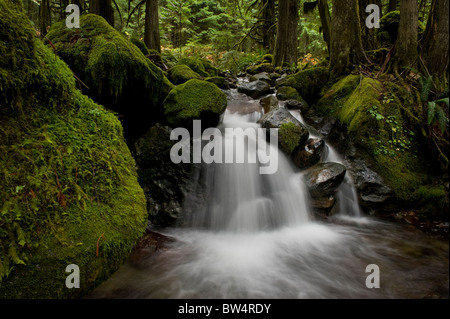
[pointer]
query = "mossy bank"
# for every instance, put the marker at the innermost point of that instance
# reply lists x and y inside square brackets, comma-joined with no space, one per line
[68,184]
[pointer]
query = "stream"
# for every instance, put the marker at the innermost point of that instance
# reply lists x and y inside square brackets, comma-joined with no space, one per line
[247,235]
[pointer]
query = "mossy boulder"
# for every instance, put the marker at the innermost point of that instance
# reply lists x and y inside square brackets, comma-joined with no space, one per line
[195,99]
[308,83]
[200,66]
[383,120]
[259,68]
[68,185]
[140,44]
[288,93]
[117,73]
[181,73]
[220,81]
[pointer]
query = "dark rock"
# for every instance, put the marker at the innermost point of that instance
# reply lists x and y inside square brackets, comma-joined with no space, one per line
[311,154]
[269,103]
[255,89]
[323,203]
[323,179]
[164,183]
[287,93]
[263,76]
[298,104]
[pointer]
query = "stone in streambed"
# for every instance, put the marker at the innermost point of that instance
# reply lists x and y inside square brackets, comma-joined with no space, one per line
[311,154]
[324,178]
[255,89]
[269,103]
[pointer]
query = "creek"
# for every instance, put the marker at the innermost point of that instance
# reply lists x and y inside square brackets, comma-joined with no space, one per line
[248,235]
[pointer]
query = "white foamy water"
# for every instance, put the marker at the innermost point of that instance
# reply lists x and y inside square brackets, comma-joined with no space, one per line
[248,235]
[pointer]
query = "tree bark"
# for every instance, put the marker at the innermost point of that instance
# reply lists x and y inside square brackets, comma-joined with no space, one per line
[407,40]
[286,45]
[346,44]
[104,9]
[368,36]
[44,16]
[151,36]
[436,41]
[325,18]
[269,21]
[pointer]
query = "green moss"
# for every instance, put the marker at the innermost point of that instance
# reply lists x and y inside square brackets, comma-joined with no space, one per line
[288,93]
[217,80]
[180,74]
[262,67]
[116,72]
[195,99]
[308,83]
[203,67]
[66,176]
[267,58]
[290,136]
[140,44]
[380,117]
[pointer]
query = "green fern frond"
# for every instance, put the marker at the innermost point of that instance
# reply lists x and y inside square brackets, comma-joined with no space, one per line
[445,100]
[426,84]
[431,112]
[441,118]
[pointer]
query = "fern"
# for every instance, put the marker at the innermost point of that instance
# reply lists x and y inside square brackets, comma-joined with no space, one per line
[445,100]
[441,118]
[427,85]
[431,112]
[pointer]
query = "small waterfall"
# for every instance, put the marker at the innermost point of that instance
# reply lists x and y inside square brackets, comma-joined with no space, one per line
[238,197]
[347,196]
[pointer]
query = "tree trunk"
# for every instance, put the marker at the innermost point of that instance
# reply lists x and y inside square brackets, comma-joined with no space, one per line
[368,36]
[104,9]
[407,40]
[325,18]
[346,45]
[269,21]
[392,5]
[286,45]
[151,35]
[44,16]
[436,41]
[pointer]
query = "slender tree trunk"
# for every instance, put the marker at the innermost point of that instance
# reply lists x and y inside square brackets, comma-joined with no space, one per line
[368,36]
[44,16]
[268,29]
[436,41]
[346,45]
[325,18]
[151,35]
[104,9]
[286,45]
[407,40]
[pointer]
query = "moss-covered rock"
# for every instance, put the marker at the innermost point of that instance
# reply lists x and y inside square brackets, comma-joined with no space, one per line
[68,185]
[116,72]
[383,119]
[200,66]
[195,99]
[308,83]
[140,44]
[259,68]
[291,137]
[220,81]
[181,73]
[288,93]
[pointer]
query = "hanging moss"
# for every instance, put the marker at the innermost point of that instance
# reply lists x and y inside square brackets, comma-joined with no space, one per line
[66,174]
[117,73]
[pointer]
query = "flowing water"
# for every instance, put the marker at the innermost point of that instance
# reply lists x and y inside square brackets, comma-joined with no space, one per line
[248,235]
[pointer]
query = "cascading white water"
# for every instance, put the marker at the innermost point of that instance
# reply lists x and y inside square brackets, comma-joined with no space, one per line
[249,235]
[239,197]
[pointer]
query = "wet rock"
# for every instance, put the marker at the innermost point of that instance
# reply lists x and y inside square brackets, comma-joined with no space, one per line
[149,245]
[164,183]
[255,89]
[244,107]
[311,154]
[287,93]
[324,178]
[263,76]
[269,103]
[299,104]
[323,204]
